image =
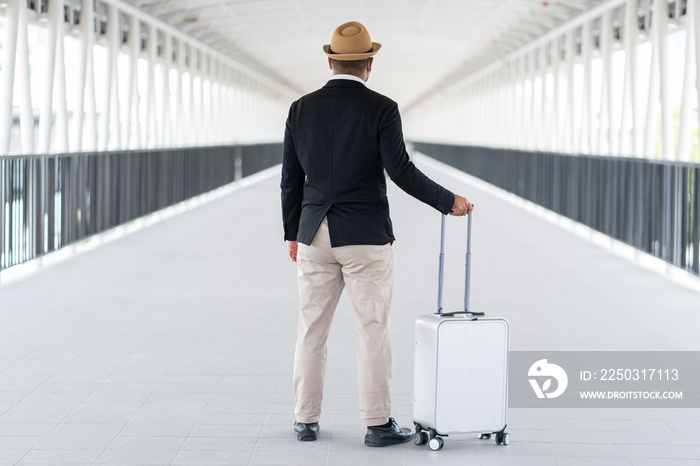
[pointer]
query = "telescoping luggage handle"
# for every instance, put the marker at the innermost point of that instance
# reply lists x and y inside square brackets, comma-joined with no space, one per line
[468,261]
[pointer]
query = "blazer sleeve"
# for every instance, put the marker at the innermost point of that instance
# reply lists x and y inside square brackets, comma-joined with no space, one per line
[292,183]
[401,170]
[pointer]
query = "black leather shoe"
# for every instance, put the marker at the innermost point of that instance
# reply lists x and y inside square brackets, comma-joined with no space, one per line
[306,432]
[382,436]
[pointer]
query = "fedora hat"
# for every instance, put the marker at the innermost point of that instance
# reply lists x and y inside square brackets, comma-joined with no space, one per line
[350,42]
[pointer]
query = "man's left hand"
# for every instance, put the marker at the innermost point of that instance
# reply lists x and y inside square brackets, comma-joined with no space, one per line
[461,207]
[292,248]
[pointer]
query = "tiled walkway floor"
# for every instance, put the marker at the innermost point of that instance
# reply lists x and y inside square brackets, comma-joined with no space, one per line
[174,345]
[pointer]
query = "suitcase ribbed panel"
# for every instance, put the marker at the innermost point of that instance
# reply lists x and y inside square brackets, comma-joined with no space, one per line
[471,386]
[425,365]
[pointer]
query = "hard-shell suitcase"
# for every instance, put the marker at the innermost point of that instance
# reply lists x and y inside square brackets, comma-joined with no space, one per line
[460,369]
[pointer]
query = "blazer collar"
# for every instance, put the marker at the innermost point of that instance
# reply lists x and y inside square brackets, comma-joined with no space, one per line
[344,83]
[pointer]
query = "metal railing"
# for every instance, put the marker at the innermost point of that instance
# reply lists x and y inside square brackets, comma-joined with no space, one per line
[50,201]
[651,205]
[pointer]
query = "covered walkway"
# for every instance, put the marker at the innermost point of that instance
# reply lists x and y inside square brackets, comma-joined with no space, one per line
[174,345]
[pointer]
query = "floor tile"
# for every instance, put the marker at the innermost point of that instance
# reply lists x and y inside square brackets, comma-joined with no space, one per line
[223,430]
[290,443]
[659,451]
[12,456]
[387,455]
[155,430]
[518,460]
[221,444]
[575,449]
[73,442]
[137,457]
[25,430]
[88,430]
[236,419]
[61,456]
[147,443]
[213,457]
[292,457]
[587,461]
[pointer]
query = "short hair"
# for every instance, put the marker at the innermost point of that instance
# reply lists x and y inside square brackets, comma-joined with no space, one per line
[350,67]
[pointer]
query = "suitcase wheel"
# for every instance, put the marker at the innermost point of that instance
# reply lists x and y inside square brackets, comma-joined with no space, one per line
[421,438]
[417,438]
[484,436]
[503,438]
[435,443]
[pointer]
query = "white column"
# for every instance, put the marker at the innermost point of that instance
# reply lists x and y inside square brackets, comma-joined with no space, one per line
[556,117]
[496,110]
[256,103]
[88,15]
[475,128]
[500,106]
[604,144]
[221,124]
[180,93]
[567,139]
[115,130]
[513,105]
[653,101]
[166,128]
[695,18]
[532,118]
[237,107]
[521,103]
[543,142]
[522,136]
[8,73]
[214,65]
[586,103]
[203,123]
[110,132]
[133,126]
[690,67]
[249,127]
[192,120]
[630,110]
[62,141]
[661,18]
[230,119]
[55,16]
[152,129]
[26,117]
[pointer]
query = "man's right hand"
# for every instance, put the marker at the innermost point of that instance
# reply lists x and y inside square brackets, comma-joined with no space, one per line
[292,249]
[461,207]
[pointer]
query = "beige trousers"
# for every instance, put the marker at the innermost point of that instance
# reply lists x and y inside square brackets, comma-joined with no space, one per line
[368,273]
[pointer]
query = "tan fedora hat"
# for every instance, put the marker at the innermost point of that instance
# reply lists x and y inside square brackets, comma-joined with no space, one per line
[351,41]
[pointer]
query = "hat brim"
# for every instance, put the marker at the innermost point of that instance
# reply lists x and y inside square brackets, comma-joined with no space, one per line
[352,56]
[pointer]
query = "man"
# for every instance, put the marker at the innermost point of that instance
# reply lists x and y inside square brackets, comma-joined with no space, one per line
[338,142]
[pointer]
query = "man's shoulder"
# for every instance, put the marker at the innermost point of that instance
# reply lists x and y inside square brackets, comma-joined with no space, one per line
[381,97]
[360,92]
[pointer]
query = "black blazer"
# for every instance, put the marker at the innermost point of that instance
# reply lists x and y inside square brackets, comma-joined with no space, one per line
[337,143]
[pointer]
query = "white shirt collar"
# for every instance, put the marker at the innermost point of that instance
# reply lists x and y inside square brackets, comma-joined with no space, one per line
[348,76]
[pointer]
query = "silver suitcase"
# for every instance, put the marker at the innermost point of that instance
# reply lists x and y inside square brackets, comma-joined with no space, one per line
[460,370]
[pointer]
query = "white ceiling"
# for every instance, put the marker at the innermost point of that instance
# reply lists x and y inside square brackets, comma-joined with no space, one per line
[425,43]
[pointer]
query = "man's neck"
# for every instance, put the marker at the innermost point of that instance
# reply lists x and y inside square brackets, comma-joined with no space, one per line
[351,77]
[339,73]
